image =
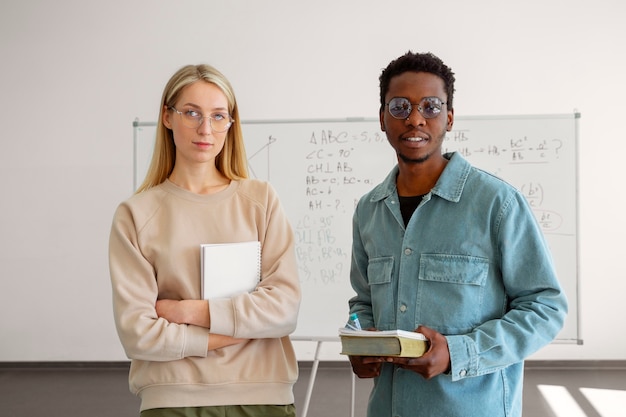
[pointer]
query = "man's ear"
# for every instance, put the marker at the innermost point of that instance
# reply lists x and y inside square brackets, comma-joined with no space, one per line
[450,120]
[381,117]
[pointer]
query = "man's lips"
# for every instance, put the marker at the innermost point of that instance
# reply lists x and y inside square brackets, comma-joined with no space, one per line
[414,139]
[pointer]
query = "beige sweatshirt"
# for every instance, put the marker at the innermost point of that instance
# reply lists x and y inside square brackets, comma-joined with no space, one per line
[154,253]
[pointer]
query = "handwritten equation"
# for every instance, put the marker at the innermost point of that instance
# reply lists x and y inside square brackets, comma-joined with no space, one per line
[514,150]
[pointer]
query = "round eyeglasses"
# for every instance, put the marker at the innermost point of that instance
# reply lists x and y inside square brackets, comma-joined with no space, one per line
[401,107]
[219,122]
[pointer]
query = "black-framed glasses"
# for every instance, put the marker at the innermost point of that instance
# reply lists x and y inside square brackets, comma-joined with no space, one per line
[219,122]
[401,107]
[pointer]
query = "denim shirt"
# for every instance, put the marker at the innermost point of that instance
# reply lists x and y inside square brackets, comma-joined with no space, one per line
[472,264]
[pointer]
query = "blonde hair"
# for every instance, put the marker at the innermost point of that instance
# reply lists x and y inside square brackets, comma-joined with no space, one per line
[231,161]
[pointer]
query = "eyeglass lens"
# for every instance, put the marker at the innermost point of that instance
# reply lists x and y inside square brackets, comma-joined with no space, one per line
[401,107]
[219,122]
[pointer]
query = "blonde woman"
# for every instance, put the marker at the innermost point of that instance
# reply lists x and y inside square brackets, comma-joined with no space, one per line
[189,356]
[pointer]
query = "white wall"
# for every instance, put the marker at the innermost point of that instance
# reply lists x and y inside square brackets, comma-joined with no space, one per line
[75,74]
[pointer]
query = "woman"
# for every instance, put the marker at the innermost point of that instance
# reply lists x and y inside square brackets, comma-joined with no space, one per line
[194,357]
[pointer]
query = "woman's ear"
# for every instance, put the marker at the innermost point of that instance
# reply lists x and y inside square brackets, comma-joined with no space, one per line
[166,118]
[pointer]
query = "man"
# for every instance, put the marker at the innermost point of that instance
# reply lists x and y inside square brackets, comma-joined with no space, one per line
[445,249]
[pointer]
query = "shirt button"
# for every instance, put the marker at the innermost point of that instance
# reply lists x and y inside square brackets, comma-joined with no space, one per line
[407,251]
[403,308]
[463,373]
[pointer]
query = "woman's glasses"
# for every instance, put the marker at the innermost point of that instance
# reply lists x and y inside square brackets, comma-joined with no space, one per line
[401,107]
[219,122]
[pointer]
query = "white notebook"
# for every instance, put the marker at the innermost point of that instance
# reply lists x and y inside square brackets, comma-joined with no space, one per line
[229,269]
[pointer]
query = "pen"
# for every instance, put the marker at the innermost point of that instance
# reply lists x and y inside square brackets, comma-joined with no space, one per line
[353,322]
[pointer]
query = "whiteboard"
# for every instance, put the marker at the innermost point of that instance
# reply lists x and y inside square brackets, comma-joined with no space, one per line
[320,168]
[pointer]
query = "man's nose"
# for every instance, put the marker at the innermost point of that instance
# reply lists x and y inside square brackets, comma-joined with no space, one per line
[415,118]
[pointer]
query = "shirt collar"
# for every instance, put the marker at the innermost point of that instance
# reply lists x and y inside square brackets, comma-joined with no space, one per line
[449,186]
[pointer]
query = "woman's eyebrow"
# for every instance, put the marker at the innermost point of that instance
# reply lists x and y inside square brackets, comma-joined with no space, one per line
[195,106]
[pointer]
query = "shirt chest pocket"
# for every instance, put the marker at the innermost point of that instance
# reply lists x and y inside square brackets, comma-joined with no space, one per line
[450,291]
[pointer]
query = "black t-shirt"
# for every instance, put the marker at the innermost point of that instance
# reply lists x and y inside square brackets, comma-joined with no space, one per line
[408,206]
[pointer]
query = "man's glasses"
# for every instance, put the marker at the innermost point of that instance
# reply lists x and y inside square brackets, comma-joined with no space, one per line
[401,107]
[219,122]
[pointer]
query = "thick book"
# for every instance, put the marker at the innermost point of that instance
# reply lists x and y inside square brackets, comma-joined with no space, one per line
[229,269]
[382,343]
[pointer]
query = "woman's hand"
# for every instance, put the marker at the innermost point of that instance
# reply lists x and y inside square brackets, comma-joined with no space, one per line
[217,341]
[194,312]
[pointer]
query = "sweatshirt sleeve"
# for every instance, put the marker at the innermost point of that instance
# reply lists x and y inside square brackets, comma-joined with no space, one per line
[143,335]
[272,309]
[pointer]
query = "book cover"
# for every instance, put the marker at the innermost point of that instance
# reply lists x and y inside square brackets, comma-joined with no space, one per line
[229,269]
[382,343]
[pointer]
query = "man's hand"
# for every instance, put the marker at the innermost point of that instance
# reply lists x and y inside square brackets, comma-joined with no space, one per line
[434,362]
[366,366]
